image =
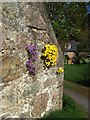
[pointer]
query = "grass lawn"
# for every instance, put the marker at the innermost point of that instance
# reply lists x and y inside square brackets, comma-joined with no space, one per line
[70,110]
[78,73]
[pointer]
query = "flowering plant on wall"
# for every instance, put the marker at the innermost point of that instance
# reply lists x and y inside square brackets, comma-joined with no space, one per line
[60,70]
[32,56]
[50,55]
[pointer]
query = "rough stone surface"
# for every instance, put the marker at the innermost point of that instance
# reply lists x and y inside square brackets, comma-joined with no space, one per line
[31,89]
[39,104]
[47,83]
[23,95]
[33,13]
[55,98]
[11,68]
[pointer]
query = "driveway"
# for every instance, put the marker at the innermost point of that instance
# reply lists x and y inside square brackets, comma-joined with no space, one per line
[79,99]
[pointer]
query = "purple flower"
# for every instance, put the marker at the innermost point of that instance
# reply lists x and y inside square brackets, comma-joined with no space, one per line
[32,57]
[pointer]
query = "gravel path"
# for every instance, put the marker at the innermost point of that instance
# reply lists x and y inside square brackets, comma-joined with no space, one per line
[81,100]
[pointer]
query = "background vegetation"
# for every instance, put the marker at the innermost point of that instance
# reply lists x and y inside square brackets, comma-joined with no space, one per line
[69,21]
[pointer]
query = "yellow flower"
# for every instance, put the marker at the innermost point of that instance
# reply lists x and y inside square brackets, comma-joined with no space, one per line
[50,53]
[49,57]
[47,63]
[60,70]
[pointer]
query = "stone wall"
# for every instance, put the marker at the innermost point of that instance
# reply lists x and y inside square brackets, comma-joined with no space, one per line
[24,95]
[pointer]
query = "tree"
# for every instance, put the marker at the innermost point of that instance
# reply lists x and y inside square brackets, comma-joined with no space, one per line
[68,19]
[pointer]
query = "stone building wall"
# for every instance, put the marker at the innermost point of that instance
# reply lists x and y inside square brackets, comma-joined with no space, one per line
[24,95]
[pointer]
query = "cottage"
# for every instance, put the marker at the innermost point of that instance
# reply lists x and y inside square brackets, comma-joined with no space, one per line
[70,53]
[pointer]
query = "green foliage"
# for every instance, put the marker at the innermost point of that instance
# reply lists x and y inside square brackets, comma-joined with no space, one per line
[67,102]
[68,20]
[70,110]
[84,46]
[82,60]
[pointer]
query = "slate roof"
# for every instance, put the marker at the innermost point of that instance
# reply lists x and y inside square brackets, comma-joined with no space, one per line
[72,46]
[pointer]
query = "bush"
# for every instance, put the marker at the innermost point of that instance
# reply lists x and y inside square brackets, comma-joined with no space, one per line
[87,60]
[82,61]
